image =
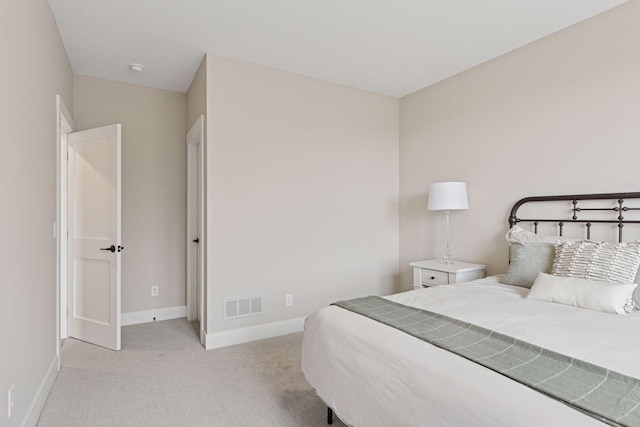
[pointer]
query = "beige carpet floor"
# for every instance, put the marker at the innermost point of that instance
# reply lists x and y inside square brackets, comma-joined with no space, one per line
[163,377]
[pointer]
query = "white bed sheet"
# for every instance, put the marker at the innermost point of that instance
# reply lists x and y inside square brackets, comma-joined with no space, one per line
[374,375]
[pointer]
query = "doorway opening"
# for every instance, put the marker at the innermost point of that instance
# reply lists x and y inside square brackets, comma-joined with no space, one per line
[64,126]
[195,225]
[87,228]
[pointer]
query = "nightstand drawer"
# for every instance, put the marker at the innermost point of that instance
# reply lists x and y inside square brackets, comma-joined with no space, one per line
[432,272]
[433,277]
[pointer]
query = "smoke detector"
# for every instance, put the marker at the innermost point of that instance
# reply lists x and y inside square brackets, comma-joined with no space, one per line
[136,68]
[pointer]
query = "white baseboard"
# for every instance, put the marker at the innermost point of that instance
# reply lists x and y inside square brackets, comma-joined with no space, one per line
[137,317]
[33,414]
[253,333]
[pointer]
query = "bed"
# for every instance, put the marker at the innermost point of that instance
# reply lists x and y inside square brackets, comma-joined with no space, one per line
[370,374]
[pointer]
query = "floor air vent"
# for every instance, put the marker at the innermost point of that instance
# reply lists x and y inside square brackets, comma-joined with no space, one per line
[242,307]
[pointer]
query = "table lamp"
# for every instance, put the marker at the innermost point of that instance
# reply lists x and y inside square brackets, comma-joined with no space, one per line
[447,197]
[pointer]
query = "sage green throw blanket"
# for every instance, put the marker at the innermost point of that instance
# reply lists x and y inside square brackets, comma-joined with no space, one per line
[608,396]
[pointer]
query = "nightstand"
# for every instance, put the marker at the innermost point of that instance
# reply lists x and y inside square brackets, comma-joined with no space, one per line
[433,273]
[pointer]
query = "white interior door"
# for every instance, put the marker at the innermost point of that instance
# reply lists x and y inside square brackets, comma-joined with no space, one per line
[94,228]
[195,221]
[193,234]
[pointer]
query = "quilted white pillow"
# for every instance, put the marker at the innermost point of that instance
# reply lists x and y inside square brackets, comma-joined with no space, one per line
[601,296]
[606,262]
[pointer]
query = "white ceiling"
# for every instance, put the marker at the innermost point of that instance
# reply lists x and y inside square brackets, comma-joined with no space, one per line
[393,47]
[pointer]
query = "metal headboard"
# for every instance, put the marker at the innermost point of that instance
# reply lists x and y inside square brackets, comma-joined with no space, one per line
[581,214]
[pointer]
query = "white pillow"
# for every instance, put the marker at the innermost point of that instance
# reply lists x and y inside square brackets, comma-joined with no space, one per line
[606,262]
[520,235]
[601,296]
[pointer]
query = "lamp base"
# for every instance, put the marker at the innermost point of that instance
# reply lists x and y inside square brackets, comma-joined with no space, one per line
[446,259]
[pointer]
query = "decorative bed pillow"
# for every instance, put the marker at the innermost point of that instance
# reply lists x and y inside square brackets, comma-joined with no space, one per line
[601,296]
[527,260]
[636,293]
[606,262]
[520,235]
[525,244]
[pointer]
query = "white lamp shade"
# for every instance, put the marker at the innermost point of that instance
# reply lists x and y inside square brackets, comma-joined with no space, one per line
[448,196]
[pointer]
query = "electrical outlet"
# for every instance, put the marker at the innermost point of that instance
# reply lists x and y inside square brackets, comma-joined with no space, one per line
[288,299]
[10,401]
[154,291]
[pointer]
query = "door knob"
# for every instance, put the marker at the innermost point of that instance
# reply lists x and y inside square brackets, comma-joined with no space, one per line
[196,240]
[111,248]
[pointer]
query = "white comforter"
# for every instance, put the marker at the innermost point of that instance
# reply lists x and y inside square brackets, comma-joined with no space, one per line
[374,375]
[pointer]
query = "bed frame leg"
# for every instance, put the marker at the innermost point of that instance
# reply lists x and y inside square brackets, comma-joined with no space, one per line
[329,415]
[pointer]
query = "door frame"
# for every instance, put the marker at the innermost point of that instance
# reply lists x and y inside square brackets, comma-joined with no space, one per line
[64,126]
[195,209]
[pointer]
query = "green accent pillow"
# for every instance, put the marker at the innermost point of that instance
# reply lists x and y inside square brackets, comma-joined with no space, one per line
[527,260]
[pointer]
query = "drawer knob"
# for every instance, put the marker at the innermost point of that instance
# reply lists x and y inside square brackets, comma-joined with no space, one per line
[433,277]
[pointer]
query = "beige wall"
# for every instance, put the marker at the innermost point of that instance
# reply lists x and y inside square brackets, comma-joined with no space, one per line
[153,184]
[197,95]
[35,68]
[558,116]
[302,191]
